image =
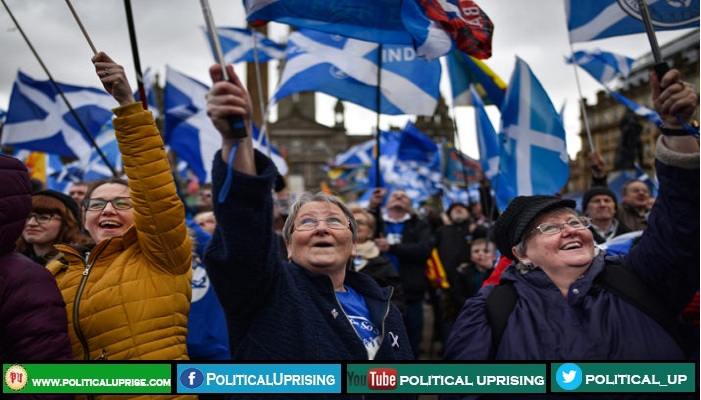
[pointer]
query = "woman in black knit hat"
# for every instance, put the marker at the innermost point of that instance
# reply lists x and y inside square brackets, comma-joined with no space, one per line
[565,306]
[55,218]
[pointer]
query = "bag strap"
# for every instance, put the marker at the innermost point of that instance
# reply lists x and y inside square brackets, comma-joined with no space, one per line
[499,305]
[626,284]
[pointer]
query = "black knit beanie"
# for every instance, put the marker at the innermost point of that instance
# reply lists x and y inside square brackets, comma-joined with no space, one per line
[63,198]
[596,191]
[511,225]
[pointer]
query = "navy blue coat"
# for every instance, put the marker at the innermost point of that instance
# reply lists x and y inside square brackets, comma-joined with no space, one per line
[277,310]
[592,323]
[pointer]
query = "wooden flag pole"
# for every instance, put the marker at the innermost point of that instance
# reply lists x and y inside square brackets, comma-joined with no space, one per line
[82,28]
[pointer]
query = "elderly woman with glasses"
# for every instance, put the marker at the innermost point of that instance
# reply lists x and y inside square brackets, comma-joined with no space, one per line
[128,293]
[311,306]
[565,304]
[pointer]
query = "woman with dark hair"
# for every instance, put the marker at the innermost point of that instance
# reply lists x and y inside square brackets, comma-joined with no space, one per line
[55,218]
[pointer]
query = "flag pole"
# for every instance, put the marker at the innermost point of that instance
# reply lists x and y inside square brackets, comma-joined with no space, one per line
[135,54]
[661,67]
[60,92]
[378,105]
[585,118]
[82,28]
[238,129]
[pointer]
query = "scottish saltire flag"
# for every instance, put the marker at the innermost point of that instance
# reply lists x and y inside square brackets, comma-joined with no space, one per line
[533,155]
[189,131]
[466,70]
[487,139]
[94,167]
[357,156]
[648,114]
[261,143]
[459,194]
[38,118]
[602,65]
[386,22]
[597,19]
[410,161]
[458,168]
[621,244]
[241,45]
[347,69]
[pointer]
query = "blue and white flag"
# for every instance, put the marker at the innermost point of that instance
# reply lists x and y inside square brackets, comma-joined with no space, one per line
[38,119]
[149,82]
[533,156]
[357,156]
[388,22]
[347,69]
[241,45]
[648,114]
[487,139]
[597,19]
[601,65]
[188,130]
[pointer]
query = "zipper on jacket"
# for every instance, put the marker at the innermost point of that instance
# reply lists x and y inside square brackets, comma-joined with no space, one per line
[76,306]
[384,319]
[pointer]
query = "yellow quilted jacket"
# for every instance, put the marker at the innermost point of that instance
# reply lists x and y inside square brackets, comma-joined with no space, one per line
[129,299]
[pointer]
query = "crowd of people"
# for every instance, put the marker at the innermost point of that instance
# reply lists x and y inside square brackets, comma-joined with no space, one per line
[124,275]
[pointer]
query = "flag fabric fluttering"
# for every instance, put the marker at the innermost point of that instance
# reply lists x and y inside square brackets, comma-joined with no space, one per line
[487,139]
[465,70]
[533,154]
[642,111]
[602,65]
[597,19]
[465,22]
[149,80]
[347,69]
[240,45]
[189,131]
[402,22]
[458,168]
[38,118]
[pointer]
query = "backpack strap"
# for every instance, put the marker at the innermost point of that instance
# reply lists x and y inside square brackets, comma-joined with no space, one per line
[626,284]
[499,305]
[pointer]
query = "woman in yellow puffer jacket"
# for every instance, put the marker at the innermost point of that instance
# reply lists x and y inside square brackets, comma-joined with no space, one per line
[128,295]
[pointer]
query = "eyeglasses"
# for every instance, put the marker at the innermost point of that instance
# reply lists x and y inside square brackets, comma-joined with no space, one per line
[361,222]
[98,204]
[551,228]
[43,218]
[310,223]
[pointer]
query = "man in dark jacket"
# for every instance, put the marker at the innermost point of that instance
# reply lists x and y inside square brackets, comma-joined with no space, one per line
[599,203]
[407,241]
[33,322]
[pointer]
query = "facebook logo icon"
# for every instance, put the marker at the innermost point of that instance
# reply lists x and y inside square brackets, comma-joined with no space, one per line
[191,378]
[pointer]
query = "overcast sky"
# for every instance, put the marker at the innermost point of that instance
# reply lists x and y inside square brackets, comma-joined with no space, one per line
[169,32]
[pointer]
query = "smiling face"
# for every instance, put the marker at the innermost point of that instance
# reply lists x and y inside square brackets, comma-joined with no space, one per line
[636,194]
[321,249]
[109,222]
[555,253]
[601,208]
[42,233]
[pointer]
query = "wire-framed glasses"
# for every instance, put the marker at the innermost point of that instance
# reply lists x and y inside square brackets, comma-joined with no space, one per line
[552,228]
[310,223]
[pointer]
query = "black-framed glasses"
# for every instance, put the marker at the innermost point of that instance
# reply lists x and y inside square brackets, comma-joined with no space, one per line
[43,218]
[98,204]
[551,228]
[310,223]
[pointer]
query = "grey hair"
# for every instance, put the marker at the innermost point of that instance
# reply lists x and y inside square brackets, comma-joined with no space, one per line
[308,197]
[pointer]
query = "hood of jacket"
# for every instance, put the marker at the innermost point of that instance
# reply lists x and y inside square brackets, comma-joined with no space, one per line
[15,201]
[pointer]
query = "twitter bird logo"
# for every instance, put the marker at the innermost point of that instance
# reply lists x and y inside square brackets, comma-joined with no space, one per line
[569,376]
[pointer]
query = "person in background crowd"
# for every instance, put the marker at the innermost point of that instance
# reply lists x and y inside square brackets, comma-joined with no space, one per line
[33,324]
[453,243]
[368,259]
[206,221]
[38,185]
[204,198]
[77,191]
[633,209]
[561,313]
[599,204]
[311,307]
[470,276]
[407,241]
[55,218]
[128,295]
